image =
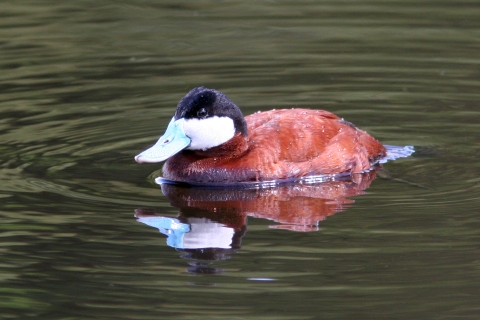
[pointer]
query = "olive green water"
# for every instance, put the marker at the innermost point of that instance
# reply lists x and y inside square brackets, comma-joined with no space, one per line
[86,85]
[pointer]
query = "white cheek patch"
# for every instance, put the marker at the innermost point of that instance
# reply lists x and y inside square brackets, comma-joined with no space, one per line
[209,132]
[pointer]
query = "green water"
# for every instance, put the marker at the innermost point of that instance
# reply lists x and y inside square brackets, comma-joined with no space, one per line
[87,85]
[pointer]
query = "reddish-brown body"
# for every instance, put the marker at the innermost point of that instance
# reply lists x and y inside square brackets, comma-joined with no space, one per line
[281,144]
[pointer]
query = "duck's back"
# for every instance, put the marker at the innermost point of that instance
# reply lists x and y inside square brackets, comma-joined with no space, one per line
[311,142]
[284,144]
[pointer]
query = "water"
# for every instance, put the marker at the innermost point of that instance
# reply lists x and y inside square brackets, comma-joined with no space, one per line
[85,86]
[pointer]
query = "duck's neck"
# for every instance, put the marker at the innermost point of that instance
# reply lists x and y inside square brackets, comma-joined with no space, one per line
[233,148]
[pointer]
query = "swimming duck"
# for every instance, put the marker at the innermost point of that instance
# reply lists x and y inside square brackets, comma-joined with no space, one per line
[210,141]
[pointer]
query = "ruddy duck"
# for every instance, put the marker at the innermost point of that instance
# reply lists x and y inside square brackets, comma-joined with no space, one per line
[210,141]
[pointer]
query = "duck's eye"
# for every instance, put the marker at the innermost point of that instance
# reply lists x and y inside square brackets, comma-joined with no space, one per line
[202,113]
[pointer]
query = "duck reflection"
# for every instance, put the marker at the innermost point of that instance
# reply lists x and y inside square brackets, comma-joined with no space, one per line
[212,222]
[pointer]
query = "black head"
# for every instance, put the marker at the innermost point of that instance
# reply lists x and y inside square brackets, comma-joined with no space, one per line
[201,103]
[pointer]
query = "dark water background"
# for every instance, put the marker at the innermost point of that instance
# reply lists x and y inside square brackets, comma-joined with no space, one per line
[86,85]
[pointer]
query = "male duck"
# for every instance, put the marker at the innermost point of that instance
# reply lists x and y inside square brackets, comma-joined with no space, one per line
[210,141]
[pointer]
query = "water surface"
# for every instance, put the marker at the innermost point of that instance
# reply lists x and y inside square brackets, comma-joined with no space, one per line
[85,86]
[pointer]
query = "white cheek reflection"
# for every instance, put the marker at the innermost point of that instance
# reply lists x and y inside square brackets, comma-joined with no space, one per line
[205,233]
[208,133]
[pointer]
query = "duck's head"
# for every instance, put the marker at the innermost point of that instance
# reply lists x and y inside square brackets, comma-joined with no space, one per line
[204,119]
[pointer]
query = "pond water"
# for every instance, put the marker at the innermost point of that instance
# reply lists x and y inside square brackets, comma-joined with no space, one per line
[87,85]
